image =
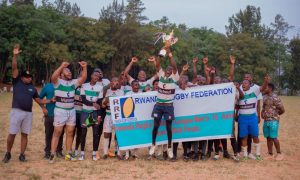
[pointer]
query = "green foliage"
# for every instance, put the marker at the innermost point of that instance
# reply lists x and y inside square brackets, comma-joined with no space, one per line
[293,69]
[53,32]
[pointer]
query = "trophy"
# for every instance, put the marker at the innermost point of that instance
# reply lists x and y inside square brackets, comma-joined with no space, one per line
[168,40]
[89,121]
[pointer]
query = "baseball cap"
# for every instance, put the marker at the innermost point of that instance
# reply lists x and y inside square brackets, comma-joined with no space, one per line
[26,73]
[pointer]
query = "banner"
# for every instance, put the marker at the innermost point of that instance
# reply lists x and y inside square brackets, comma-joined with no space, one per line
[204,112]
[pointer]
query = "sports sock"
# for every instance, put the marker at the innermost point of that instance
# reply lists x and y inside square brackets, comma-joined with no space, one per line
[257,148]
[106,143]
[244,150]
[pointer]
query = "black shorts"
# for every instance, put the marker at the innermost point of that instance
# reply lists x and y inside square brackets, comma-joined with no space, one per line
[160,111]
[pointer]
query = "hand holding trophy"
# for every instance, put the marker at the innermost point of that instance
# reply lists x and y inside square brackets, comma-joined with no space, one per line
[168,41]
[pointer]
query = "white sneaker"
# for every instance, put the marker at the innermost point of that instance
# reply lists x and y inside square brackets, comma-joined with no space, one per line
[236,158]
[251,156]
[81,158]
[152,150]
[216,157]
[127,155]
[170,153]
[94,157]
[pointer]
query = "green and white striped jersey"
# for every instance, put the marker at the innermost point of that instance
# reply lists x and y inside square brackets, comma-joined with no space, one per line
[77,100]
[166,87]
[92,93]
[64,93]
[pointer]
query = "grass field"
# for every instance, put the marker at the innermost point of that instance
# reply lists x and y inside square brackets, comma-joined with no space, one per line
[38,168]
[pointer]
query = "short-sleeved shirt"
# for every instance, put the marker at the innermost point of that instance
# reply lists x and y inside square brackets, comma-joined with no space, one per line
[270,105]
[104,82]
[144,84]
[255,86]
[112,93]
[77,100]
[166,87]
[126,88]
[131,92]
[259,97]
[247,105]
[92,93]
[64,93]
[48,92]
[23,95]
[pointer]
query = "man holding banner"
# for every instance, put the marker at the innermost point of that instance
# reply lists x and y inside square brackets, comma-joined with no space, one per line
[164,104]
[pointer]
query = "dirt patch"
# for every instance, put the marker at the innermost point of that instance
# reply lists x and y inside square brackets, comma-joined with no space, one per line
[37,168]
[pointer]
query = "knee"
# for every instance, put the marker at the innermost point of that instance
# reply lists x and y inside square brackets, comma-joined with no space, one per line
[57,133]
[23,135]
[106,135]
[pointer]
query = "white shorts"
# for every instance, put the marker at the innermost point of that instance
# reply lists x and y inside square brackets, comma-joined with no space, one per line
[108,124]
[64,117]
[20,120]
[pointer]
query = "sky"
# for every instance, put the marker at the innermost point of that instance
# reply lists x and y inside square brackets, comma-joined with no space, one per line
[210,13]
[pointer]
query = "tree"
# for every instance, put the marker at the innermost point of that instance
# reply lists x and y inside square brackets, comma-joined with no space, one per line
[134,11]
[294,78]
[247,21]
[280,29]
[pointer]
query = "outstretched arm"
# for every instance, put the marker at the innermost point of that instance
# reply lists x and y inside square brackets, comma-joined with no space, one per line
[195,61]
[206,70]
[231,70]
[238,87]
[156,61]
[172,61]
[16,52]
[185,69]
[57,72]
[83,76]
[127,69]
[265,84]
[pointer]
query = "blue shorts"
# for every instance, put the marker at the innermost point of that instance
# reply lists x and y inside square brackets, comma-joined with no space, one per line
[163,111]
[271,129]
[248,125]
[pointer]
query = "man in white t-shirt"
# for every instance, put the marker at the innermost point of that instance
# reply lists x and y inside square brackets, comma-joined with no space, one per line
[249,77]
[247,119]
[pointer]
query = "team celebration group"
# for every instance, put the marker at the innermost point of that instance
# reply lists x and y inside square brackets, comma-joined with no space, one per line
[69,104]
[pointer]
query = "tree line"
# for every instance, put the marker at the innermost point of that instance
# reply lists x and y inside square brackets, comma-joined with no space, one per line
[55,31]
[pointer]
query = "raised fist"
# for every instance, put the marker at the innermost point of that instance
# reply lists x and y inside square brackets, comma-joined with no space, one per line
[17,50]
[232,59]
[195,60]
[134,59]
[152,59]
[65,64]
[83,64]
[205,60]
[185,67]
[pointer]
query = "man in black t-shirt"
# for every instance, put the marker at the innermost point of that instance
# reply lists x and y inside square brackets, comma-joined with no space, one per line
[21,113]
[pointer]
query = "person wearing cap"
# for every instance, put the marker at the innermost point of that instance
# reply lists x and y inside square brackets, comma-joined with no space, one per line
[64,111]
[21,113]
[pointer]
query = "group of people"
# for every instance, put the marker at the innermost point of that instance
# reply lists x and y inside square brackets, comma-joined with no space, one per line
[67,103]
